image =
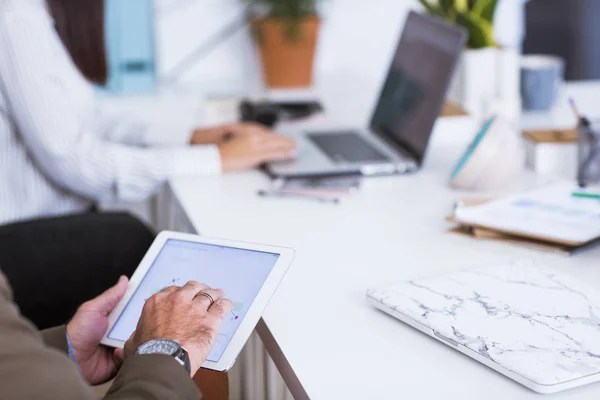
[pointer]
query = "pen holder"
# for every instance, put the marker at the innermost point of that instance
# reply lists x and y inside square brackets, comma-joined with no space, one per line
[588,143]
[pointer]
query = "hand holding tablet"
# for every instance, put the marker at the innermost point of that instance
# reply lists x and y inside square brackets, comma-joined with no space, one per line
[166,301]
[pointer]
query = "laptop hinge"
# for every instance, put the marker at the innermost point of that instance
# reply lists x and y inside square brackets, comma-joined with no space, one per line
[393,144]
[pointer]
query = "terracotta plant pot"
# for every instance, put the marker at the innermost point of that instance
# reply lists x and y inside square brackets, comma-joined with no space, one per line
[287,62]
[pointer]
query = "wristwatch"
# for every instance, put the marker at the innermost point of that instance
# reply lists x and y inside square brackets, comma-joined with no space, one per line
[169,348]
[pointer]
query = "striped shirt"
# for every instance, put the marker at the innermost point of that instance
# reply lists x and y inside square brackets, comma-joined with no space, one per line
[59,151]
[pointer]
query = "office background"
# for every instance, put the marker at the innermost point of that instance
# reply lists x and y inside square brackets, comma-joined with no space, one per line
[357,39]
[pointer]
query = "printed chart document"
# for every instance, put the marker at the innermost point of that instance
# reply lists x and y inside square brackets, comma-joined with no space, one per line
[551,213]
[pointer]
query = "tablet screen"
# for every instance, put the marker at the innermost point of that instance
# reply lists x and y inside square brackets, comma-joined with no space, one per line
[240,272]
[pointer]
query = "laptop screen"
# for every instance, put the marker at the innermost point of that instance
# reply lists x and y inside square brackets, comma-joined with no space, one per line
[415,88]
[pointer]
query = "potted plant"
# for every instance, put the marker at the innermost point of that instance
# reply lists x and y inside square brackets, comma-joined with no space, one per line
[487,78]
[286,33]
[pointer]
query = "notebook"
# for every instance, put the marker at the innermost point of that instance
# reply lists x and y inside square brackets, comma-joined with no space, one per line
[490,234]
[550,213]
[534,325]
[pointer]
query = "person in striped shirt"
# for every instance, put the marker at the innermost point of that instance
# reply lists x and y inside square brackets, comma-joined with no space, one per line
[60,152]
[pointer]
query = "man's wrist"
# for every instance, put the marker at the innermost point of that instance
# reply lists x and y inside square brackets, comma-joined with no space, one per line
[167,347]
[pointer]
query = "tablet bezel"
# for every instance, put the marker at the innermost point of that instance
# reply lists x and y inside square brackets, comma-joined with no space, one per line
[248,323]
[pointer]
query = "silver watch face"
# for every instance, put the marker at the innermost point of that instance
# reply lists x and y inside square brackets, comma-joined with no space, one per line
[161,346]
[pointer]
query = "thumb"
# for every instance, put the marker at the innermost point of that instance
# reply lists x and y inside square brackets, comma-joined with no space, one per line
[108,300]
[119,355]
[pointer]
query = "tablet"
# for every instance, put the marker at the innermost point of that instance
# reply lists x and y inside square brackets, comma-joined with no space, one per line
[249,274]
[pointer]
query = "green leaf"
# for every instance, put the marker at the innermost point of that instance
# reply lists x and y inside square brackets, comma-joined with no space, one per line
[486,9]
[490,11]
[428,6]
[481,31]
[436,10]
[292,12]
[447,6]
[461,5]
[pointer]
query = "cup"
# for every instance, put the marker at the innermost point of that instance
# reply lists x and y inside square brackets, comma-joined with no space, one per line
[542,77]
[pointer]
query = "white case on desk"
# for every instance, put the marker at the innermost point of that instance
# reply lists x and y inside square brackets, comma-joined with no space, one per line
[555,159]
[537,327]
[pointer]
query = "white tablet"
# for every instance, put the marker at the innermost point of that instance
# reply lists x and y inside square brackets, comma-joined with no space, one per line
[249,274]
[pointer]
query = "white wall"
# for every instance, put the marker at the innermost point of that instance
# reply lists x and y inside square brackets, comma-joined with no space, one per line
[357,36]
[357,39]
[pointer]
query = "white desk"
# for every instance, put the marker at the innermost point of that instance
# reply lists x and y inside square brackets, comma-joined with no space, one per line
[326,340]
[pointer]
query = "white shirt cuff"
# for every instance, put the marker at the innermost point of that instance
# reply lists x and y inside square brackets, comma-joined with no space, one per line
[197,160]
[163,134]
[140,172]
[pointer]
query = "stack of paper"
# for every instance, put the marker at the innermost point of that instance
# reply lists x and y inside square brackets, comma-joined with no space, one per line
[550,216]
[321,189]
[337,186]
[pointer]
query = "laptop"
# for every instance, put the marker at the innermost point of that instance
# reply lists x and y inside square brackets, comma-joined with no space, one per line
[534,325]
[410,101]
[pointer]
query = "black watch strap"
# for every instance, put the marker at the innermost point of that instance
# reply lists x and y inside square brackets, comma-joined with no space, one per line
[184,359]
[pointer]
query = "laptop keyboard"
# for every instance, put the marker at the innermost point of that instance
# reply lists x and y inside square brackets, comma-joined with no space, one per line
[346,147]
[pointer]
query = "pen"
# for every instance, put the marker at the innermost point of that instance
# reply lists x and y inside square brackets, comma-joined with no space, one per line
[586,195]
[265,193]
[582,120]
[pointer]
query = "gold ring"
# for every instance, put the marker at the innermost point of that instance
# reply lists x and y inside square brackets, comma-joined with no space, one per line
[212,301]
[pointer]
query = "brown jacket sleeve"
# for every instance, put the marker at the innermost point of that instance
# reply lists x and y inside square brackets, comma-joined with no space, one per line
[29,369]
[56,338]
